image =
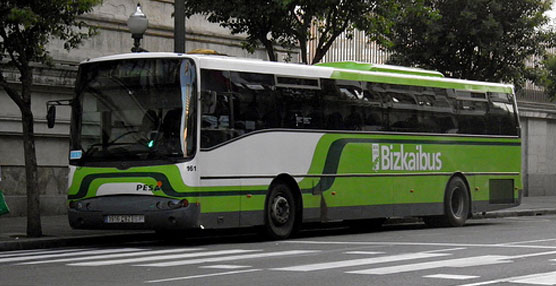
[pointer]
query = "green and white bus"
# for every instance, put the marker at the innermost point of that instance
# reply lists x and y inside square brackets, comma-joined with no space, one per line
[169,141]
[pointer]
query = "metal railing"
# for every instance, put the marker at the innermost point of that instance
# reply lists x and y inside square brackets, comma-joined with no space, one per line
[356,47]
[532,95]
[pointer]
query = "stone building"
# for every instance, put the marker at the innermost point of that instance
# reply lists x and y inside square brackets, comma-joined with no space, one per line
[538,119]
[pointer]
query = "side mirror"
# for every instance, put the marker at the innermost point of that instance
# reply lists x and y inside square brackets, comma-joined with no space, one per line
[51,110]
[51,116]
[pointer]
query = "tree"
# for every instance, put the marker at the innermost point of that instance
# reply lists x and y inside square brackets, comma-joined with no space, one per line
[286,22]
[545,75]
[473,39]
[26,27]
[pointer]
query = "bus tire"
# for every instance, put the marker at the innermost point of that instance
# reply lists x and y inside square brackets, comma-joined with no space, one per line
[456,205]
[280,212]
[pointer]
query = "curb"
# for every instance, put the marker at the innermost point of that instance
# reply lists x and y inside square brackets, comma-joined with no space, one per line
[98,239]
[530,212]
[51,242]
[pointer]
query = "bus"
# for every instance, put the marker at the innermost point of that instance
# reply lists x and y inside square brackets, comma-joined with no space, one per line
[168,141]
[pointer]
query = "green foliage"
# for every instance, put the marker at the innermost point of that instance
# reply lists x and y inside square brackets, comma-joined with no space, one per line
[27,26]
[545,75]
[286,22]
[473,39]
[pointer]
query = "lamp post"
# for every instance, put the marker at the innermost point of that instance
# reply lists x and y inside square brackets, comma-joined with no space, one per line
[179,26]
[137,24]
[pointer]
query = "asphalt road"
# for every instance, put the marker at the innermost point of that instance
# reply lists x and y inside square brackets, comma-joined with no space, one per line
[505,251]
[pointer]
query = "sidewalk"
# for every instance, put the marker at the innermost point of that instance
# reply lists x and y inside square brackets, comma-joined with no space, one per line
[58,233]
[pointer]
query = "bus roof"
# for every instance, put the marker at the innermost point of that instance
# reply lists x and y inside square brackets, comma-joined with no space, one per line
[362,72]
[381,68]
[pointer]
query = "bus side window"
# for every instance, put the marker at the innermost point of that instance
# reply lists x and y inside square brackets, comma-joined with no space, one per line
[372,102]
[234,104]
[501,114]
[471,110]
[215,107]
[254,101]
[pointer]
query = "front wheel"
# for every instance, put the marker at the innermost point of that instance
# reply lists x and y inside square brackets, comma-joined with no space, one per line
[456,205]
[280,212]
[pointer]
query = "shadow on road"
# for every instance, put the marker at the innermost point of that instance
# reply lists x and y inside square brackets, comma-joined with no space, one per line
[254,235]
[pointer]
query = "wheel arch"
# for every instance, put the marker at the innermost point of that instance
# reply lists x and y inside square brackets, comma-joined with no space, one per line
[464,178]
[296,192]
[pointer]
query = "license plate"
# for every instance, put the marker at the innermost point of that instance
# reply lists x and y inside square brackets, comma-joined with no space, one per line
[124,219]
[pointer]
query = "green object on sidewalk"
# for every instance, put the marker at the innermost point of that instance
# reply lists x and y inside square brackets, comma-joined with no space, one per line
[3,206]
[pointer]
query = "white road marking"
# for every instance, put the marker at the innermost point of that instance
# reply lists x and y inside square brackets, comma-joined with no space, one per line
[361,261]
[225,266]
[229,258]
[202,276]
[109,256]
[548,278]
[528,241]
[537,279]
[364,252]
[451,276]
[453,263]
[161,257]
[533,254]
[442,244]
[76,253]
[445,250]
[39,252]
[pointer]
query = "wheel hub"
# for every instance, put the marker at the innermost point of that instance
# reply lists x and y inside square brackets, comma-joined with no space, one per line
[280,210]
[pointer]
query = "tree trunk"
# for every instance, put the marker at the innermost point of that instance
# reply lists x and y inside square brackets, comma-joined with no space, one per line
[303,50]
[34,228]
[269,47]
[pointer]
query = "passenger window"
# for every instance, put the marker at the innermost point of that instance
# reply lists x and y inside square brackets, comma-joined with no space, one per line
[501,116]
[472,108]
[234,104]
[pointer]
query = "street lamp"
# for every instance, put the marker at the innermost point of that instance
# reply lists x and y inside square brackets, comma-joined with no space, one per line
[137,24]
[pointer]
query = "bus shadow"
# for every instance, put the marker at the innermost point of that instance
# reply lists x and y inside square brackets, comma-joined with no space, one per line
[254,235]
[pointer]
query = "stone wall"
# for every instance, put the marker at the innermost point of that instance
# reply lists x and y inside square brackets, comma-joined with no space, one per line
[538,123]
[52,184]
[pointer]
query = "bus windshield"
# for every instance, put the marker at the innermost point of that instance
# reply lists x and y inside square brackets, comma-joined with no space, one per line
[133,110]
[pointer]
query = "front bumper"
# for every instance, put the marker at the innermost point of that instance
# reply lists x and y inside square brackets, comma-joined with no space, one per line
[91,213]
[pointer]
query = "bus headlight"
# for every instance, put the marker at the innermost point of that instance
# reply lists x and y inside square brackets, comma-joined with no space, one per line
[76,205]
[174,204]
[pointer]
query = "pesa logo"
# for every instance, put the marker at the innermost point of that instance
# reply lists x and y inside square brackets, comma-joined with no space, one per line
[149,188]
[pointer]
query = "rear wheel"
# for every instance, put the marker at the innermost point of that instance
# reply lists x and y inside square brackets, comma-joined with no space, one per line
[280,212]
[456,205]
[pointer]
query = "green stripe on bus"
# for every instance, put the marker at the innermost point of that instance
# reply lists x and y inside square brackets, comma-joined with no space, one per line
[470,86]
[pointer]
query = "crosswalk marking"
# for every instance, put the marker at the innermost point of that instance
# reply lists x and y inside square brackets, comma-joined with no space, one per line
[202,276]
[162,257]
[229,258]
[548,278]
[452,276]
[37,252]
[109,256]
[458,263]
[440,244]
[76,253]
[361,261]
[225,266]
[537,279]
[364,252]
